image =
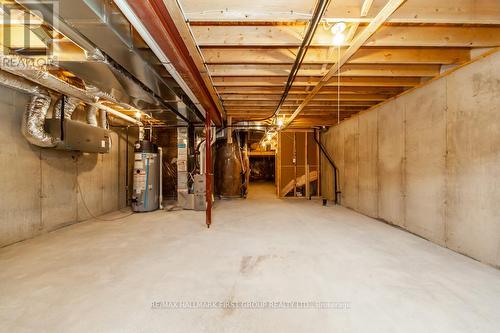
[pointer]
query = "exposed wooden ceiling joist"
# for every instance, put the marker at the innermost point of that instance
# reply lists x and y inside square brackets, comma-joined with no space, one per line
[261,81]
[332,97]
[318,70]
[302,90]
[386,36]
[323,55]
[250,47]
[356,44]
[295,103]
[420,11]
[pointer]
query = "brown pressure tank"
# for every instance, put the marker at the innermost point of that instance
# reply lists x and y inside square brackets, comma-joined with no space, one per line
[228,169]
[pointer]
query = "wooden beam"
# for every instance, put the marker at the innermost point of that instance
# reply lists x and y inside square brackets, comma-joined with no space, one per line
[360,39]
[317,70]
[331,97]
[293,103]
[387,36]
[365,8]
[160,24]
[421,11]
[366,81]
[321,55]
[320,108]
[239,113]
[302,90]
[195,53]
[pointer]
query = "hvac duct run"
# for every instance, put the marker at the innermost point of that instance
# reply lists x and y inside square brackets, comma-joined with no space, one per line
[48,133]
[34,120]
[146,186]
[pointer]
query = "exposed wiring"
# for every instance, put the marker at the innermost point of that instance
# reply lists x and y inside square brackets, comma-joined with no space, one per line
[338,84]
[319,10]
[90,213]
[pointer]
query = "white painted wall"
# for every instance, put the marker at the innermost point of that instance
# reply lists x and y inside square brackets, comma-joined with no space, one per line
[39,186]
[429,161]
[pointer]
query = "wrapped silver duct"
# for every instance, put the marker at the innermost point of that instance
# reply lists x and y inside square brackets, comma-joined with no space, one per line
[34,120]
[25,67]
[70,104]
[17,83]
[103,119]
[92,115]
[34,116]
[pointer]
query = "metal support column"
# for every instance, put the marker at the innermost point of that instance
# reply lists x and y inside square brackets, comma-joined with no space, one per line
[208,168]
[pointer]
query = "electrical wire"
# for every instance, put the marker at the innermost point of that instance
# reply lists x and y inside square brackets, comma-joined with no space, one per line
[90,213]
[319,10]
[338,84]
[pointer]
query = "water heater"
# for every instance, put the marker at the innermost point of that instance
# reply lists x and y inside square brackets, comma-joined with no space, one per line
[146,188]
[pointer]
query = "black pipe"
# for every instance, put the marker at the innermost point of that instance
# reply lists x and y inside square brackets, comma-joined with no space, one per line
[319,10]
[335,169]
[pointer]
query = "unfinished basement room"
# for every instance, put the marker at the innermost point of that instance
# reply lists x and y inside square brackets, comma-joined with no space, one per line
[250,166]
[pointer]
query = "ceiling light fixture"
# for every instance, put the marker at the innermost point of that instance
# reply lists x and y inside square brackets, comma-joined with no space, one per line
[280,122]
[338,33]
[338,39]
[338,28]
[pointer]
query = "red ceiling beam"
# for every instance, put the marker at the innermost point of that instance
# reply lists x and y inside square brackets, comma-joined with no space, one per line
[156,18]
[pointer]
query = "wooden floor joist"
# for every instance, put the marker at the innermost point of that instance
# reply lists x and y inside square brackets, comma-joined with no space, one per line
[358,41]
[386,36]
[322,55]
[390,46]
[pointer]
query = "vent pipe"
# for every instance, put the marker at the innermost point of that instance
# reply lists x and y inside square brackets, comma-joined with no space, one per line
[122,116]
[34,116]
[92,115]
[34,121]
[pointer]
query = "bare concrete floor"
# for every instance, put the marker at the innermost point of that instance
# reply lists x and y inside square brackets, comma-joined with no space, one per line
[107,276]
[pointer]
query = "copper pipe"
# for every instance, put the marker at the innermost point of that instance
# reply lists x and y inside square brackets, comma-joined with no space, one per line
[158,21]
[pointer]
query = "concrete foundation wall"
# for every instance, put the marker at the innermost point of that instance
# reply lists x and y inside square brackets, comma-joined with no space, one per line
[429,161]
[39,187]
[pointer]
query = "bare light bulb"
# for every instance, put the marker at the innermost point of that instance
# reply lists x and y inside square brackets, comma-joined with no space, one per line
[338,28]
[138,114]
[280,122]
[338,39]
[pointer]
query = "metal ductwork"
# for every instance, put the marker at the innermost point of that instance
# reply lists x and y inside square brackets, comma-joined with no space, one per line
[34,122]
[155,24]
[112,60]
[92,115]
[24,68]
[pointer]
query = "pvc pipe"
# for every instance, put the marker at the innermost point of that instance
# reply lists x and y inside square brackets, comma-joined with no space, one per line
[123,117]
